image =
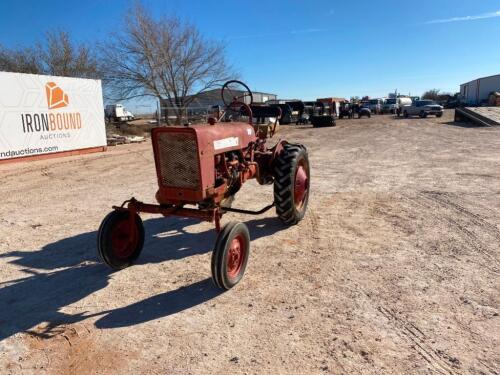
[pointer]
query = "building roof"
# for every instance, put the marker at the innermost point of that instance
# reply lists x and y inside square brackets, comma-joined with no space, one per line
[478,79]
[213,97]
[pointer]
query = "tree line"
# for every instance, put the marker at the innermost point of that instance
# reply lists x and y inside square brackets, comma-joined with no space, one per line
[163,57]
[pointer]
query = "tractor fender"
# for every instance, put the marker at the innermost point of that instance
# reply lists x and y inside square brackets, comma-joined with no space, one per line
[277,150]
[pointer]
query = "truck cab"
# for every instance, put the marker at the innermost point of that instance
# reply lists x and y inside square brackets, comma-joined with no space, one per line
[375,105]
[389,105]
[117,112]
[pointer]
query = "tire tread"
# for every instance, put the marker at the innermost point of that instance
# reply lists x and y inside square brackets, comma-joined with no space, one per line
[283,183]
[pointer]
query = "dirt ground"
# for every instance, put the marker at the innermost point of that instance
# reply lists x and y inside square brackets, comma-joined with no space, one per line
[395,268]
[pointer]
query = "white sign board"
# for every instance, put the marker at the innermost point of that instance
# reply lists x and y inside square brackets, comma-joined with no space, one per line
[45,114]
[226,142]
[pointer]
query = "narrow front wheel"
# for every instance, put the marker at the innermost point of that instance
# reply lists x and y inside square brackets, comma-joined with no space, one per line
[230,255]
[120,239]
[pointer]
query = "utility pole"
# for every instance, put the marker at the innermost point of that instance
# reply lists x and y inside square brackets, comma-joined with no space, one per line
[158,111]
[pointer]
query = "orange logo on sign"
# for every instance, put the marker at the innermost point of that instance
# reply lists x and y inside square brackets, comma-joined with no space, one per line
[56,97]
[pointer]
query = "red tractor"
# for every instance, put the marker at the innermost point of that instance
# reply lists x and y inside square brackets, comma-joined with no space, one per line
[200,168]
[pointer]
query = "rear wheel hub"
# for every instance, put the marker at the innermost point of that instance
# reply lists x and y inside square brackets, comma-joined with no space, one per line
[301,185]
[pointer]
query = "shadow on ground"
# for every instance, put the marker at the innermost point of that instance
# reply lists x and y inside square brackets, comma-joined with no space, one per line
[463,124]
[66,271]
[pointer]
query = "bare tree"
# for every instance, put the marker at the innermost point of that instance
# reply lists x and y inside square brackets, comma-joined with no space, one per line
[58,55]
[432,94]
[62,57]
[164,58]
[22,60]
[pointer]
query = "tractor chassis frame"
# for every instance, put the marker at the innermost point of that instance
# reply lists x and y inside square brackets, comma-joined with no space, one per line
[134,206]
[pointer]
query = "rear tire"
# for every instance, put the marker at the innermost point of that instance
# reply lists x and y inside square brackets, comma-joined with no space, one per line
[291,183]
[230,255]
[120,239]
[405,114]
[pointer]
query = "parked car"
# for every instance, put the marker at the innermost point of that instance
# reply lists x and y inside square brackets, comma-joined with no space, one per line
[117,112]
[423,108]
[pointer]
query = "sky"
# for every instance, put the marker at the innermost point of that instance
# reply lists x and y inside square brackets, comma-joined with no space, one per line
[304,49]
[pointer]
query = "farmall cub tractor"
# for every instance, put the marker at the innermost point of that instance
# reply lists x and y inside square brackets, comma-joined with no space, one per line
[200,168]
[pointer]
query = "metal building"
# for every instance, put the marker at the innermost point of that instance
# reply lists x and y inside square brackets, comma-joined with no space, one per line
[477,91]
[213,97]
[200,106]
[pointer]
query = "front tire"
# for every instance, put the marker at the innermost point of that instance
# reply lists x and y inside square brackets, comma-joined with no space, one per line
[120,239]
[230,255]
[291,183]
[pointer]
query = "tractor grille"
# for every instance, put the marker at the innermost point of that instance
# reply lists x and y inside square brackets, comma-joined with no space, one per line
[179,162]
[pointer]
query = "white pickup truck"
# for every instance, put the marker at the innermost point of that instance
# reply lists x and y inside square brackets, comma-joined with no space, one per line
[423,108]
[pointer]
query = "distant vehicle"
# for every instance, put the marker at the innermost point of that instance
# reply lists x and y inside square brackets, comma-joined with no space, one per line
[423,108]
[298,115]
[390,105]
[375,105]
[454,101]
[286,113]
[346,110]
[363,109]
[312,109]
[320,114]
[303,119]
[401,102]
[117,112]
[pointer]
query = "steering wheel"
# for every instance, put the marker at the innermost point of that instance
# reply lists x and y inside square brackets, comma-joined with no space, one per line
[236,92]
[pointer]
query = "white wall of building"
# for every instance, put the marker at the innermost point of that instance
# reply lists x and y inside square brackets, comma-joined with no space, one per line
[476,91]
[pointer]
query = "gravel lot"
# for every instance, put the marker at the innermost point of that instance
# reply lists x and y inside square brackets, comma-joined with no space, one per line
[395,268]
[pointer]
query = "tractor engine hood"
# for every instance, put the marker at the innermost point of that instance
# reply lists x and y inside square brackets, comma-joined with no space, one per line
[223,136]
[184,157]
